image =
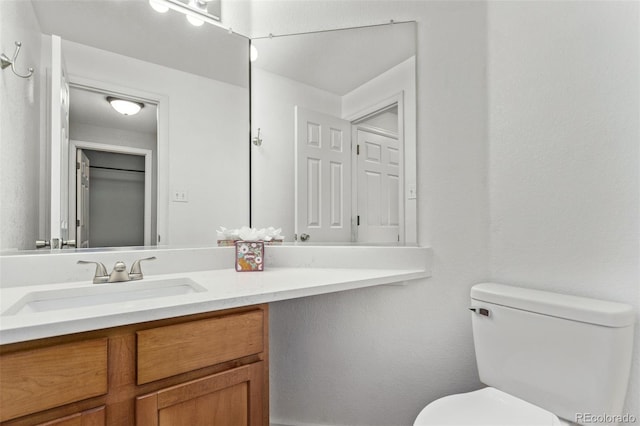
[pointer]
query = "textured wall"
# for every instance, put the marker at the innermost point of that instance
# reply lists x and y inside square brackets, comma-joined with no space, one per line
[553,126]
[377,356]
[20,128]
[564,144]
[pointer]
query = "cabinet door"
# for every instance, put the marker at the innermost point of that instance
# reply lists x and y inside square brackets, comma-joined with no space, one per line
[94,417]
[232,398]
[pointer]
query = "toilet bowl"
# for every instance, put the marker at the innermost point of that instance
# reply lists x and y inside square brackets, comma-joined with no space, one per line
[489,407]
[537,351]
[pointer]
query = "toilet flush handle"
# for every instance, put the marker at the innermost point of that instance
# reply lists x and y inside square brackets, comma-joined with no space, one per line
[480,311]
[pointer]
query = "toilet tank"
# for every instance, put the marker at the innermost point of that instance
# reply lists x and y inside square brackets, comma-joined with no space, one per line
[570,355]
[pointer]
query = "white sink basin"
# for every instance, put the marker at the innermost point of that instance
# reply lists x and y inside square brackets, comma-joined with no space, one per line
[101,294]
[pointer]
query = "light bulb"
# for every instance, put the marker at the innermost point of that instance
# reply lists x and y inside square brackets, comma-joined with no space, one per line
[194,21]
[158,7]
[253,53]
[200,5]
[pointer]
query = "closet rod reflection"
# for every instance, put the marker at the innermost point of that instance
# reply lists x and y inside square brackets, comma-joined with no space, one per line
[115,168]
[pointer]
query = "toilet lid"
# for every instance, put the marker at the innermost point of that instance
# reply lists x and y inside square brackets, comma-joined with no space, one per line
[488,406]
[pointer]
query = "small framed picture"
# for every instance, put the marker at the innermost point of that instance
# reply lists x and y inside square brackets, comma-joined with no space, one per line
[249,256]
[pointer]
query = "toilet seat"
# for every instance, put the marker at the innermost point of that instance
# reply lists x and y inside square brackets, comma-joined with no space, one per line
[488,406]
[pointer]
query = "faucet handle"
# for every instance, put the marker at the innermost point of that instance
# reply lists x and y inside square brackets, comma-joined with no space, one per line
[101,275]
[136,271]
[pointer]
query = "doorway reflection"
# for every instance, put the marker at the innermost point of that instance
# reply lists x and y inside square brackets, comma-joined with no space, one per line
[116,200]
[113,181]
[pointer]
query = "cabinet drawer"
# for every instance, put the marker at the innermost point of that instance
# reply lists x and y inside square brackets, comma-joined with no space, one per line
[175,349]
[43,378]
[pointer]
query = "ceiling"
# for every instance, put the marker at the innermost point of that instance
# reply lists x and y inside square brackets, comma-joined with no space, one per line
[92,108]
[132,28]
[337,61]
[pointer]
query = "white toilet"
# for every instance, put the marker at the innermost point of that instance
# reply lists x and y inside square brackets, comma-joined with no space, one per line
[548,359]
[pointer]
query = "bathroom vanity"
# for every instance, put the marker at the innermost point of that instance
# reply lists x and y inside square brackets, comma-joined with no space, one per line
[73,352]
[176,371]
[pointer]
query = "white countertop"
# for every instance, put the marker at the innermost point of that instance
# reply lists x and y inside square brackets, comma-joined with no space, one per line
[225,288]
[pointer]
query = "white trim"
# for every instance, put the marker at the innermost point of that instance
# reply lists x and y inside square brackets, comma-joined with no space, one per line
[118,149]
[376,130]
[377,107]
[56,143]
[113,89]
[162,143]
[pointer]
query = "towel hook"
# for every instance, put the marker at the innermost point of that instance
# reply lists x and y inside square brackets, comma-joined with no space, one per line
[5,61]
[256,139]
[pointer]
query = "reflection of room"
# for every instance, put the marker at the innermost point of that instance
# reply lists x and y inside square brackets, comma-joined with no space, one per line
[202,112]
[116,184]
[344,85]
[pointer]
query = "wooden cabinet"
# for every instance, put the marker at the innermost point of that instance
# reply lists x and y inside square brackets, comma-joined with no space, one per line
[201,369]
[94,417]
[233,398]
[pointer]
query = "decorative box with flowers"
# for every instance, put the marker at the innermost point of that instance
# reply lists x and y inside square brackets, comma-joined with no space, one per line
[249,256]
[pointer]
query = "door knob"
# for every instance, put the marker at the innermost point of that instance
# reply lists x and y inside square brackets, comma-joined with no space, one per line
[42,243]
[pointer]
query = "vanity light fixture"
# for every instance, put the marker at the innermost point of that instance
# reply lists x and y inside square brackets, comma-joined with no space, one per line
[200,5]
[124,106]
[253,53]
[196,11]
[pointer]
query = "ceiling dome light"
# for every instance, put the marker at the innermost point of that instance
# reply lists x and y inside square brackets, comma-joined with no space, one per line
[253,53]
[158,7]
[125,107]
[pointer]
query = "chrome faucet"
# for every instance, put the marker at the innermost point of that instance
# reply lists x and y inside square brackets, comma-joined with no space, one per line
[119,273]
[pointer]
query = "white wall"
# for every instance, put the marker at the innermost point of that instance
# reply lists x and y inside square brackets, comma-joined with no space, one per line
[112,136]
[20,128]
[553,126]
[273,101]
[377,356]
[386,120]
[208,146]
[564,82]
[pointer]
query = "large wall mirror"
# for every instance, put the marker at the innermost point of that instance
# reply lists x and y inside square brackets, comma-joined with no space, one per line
[169,175]
[333,158]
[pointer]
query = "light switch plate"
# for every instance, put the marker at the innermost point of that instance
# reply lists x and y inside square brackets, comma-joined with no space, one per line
[180,196]
[412,192]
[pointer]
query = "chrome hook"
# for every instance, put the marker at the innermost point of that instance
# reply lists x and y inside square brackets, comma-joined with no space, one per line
[6,62]
[256,139]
